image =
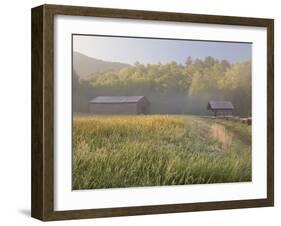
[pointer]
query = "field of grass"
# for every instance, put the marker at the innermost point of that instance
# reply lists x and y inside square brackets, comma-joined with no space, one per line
[154,150]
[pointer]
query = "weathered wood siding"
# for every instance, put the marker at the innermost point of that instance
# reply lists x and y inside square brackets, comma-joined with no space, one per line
[143,107]
[113,108]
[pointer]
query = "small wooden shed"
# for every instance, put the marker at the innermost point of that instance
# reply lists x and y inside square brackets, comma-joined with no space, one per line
[220,107]
[119,105]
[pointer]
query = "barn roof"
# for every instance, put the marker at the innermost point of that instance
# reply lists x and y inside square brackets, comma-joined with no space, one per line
[220,105]
[116,99]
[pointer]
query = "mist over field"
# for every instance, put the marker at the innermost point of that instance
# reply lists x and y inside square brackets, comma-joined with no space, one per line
[171,88]
[168,138]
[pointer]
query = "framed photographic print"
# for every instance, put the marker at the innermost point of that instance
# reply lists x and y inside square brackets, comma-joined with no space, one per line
[141,112]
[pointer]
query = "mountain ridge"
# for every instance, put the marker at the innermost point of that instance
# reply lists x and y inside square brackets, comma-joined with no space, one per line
[85,66]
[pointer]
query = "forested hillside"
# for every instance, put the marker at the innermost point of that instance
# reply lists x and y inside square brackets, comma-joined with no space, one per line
[172,88]
[85,65]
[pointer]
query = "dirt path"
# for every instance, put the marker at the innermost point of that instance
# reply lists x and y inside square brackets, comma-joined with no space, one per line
[216,130]
[243,137]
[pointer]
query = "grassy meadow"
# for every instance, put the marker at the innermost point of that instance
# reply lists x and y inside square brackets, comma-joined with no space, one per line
[154,150]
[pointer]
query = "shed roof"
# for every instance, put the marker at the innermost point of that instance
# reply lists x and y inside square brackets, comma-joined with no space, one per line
[116,99]
[220,105]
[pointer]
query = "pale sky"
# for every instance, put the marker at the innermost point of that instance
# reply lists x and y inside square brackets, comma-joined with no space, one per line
[145,50]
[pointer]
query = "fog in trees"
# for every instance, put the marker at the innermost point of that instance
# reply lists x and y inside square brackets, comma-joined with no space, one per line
[172,88]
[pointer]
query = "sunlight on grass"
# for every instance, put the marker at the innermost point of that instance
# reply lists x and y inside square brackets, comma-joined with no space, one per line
[154,150]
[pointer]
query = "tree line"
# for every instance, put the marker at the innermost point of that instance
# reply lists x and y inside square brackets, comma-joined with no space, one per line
[173,88]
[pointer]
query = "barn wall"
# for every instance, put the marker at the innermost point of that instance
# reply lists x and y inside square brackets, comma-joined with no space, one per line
[143,107]
[223,112]
[129,108]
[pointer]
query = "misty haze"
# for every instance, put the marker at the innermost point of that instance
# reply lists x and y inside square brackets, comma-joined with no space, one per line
[153,112]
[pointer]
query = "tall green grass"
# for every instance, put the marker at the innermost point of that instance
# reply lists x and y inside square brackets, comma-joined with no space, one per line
[126,151]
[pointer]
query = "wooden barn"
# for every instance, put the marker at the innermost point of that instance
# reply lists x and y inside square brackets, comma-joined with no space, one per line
[219,108]
[119,105]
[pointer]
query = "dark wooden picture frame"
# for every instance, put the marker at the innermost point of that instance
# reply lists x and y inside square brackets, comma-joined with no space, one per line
[42,203]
